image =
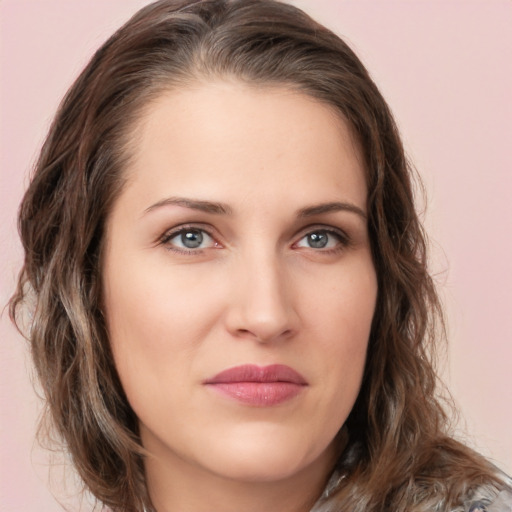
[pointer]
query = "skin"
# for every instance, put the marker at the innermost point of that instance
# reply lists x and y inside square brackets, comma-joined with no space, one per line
[256,290]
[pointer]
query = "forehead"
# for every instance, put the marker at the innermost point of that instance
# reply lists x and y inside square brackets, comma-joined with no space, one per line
[225,137]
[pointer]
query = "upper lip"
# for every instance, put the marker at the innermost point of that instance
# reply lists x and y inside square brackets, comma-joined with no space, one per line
[255,373]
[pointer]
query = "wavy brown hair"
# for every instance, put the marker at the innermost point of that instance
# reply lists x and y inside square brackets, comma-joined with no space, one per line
[399,456]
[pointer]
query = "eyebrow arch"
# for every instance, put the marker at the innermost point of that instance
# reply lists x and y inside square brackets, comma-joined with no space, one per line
[309,211]
[224,209]
[194,204]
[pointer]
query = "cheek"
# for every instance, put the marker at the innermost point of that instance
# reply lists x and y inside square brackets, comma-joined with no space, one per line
[341,319]
[343,307]
[157,317]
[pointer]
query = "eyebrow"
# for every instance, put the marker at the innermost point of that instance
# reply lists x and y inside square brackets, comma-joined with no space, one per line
[335,206]
[224,209]
[194,204]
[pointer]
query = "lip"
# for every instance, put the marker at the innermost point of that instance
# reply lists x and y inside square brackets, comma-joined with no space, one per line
[260,386]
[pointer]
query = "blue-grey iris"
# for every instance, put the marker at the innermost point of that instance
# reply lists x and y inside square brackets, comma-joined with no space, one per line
[318,240]
[192,239]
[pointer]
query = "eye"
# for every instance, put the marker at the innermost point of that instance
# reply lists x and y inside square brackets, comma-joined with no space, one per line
[322,239]
[189,239]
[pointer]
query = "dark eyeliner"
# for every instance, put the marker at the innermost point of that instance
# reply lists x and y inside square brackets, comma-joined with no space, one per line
[172,233]
[344,241]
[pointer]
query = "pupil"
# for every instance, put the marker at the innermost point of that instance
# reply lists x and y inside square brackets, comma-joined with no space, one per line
[192,239]
[318,240]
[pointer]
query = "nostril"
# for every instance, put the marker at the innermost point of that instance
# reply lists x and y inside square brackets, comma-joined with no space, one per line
[263,337]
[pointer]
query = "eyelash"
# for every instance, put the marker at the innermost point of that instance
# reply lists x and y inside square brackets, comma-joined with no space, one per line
[169,235]
[341,237]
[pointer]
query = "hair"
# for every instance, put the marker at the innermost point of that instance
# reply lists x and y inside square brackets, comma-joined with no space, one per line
[399,455]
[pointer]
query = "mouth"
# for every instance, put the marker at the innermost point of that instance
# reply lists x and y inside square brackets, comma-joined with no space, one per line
[258,386]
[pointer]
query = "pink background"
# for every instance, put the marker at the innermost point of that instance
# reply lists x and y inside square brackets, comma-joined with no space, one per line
[444,67]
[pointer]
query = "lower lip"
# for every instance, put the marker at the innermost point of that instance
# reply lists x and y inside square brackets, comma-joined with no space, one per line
[260,394]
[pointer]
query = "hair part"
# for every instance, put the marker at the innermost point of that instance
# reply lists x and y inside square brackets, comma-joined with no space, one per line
[398,447]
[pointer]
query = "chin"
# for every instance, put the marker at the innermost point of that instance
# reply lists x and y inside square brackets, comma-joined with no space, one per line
[266,458]
[264,469]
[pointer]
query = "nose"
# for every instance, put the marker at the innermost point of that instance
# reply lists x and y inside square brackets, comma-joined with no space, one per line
[261,306]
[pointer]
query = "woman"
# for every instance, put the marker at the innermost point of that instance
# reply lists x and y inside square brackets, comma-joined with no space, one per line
[230,277]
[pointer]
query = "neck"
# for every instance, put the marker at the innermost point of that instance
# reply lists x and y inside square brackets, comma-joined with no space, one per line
[217,495]
[178,485]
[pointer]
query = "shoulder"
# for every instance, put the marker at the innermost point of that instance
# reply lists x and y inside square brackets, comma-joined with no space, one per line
[444,476]
[502,502]
[490,499]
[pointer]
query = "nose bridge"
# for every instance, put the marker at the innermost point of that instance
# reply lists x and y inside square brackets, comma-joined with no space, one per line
[261,305]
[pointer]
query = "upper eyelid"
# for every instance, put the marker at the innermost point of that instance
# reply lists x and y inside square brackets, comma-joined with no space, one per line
[211,232]
[172,232]
[322,227]
[344,239]
[341,238]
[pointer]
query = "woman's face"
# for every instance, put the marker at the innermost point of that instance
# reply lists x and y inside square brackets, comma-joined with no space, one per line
[238,281]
